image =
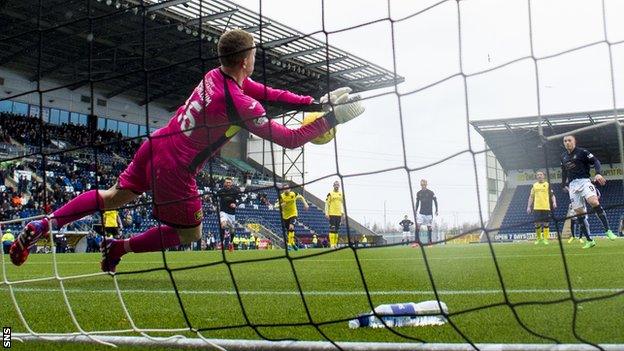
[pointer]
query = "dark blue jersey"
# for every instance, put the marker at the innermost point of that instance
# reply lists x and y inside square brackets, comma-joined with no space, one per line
[576,165]
[406,224]
[425,198]
[226,198]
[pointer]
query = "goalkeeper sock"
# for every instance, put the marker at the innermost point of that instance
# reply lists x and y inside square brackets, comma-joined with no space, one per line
[151,240]
[538,232]
[546,233]
[83,205]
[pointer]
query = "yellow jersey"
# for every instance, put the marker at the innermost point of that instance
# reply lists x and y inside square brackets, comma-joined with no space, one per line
[288,203]
[110,219]
[8,237]
[333,203]
[541,196]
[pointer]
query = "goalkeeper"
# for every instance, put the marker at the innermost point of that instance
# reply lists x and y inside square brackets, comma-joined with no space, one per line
[225,101]
[287,202]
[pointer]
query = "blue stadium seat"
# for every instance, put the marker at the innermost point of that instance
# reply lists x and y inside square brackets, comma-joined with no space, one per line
[517,221]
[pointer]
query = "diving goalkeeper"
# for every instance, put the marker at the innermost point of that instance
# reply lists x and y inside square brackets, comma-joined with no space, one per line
[225,101]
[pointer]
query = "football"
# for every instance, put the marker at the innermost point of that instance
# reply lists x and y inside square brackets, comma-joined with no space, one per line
[323,139]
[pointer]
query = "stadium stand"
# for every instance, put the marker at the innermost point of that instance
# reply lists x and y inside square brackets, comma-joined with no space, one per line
[71,173]
[517,152]
[516,219]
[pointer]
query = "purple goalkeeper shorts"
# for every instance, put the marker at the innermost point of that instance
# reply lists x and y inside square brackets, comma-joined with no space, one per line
[176,200]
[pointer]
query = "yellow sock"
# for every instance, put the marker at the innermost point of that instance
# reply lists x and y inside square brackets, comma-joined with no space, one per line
[538,233]
[546,233]
[291,238]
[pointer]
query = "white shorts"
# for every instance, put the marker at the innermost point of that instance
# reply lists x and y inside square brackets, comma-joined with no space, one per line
[571,211]
[581,189]
[229,219]
[424,219]
[406,235]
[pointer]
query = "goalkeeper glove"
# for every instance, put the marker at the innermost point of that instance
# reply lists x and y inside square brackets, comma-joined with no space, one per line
[330,98]
[347,108]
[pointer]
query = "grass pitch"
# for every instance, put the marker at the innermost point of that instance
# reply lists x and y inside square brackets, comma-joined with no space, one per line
[465,277]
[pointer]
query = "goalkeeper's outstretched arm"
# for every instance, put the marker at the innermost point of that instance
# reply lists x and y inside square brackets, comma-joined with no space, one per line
[255,120]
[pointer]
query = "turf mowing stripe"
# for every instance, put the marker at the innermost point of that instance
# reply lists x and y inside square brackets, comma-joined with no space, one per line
[323,293]
[450,258]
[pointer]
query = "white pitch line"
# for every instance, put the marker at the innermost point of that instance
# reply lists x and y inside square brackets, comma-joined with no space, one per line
[322,292]
[450,258]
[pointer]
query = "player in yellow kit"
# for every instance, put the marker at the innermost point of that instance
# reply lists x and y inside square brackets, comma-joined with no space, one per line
[112,224]
[334,212]
[287,202]
[540,203]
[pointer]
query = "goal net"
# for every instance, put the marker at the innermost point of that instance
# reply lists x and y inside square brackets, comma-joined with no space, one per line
[467,98]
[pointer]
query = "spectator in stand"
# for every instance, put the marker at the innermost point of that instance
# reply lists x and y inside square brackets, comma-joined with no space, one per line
[127,218]
[16,200]
[60,241]
[98,241]
[91,242]
[264,200]
[20,183]
[7,240]
[137,218]
[212,241]
[245,243]
[236,242]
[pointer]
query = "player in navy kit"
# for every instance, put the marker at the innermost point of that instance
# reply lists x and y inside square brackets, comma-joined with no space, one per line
[425,199]
[406,224]
[575,166]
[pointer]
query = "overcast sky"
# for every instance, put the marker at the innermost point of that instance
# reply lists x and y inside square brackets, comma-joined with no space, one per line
[435,119]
